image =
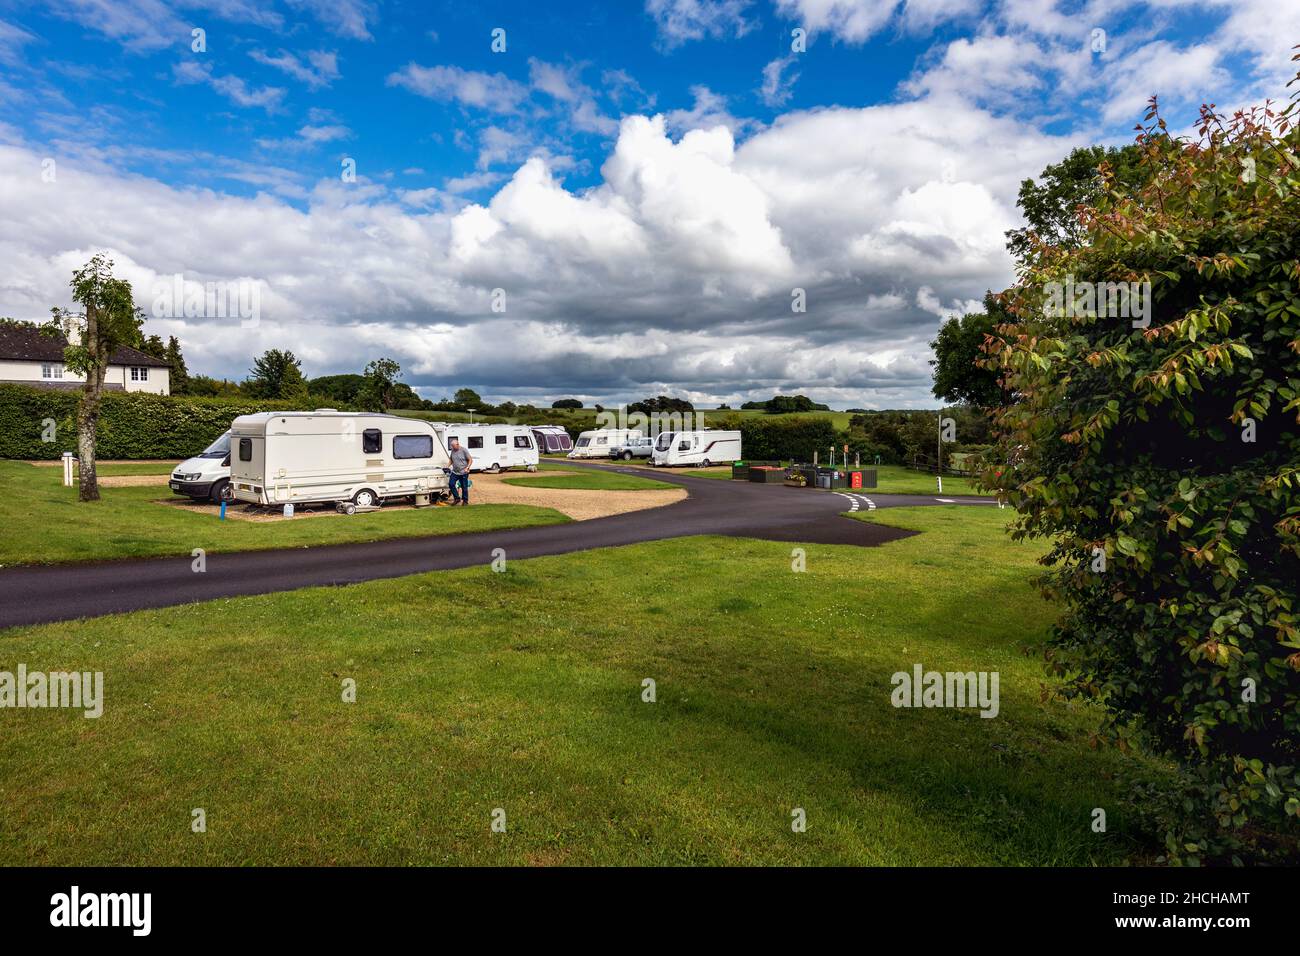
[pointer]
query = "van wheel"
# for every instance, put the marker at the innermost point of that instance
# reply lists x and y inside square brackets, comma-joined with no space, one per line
[365,498]
[220,491]
[627,456]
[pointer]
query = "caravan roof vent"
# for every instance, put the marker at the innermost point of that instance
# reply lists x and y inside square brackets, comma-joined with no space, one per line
[322,410]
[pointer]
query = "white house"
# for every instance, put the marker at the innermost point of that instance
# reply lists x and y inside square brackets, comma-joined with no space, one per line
[28,357]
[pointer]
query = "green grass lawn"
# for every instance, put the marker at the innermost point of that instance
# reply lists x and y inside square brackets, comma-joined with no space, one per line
[44,523]
[773,692]
[590,481]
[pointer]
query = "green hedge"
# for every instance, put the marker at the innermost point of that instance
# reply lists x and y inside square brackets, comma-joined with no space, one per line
[788,439]
[131,425]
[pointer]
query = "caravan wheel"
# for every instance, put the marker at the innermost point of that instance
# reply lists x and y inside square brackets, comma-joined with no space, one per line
[704,463]
[365,498]
[495,469]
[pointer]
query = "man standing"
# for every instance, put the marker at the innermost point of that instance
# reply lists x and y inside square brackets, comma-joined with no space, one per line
[461,461]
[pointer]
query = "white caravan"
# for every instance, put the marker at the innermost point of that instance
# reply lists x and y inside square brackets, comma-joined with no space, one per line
[329,456]
[601,441]
[493,447]
[703,448]
[551,439]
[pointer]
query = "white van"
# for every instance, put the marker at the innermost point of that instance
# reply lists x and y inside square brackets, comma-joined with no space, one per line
[494,448]
[703,448]
[599,442]
[331,456]
[206,476]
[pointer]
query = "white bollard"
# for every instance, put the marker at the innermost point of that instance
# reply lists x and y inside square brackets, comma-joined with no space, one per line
[67,469]
[939,478]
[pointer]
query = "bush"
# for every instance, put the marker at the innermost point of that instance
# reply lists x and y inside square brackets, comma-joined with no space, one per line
[131,425]
[1172,453]
[782,439]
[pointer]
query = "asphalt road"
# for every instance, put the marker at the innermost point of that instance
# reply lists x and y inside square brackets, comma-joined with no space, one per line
[35,595]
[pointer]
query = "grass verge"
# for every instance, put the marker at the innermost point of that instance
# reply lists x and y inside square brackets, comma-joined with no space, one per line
[44,523]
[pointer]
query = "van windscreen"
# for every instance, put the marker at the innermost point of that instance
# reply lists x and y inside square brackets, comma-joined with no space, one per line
[219,448]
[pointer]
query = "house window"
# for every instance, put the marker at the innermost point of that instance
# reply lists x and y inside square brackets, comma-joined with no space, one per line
[475,441]
[372,441]
[501,439]
[51,370]
[139,373]
[412,446]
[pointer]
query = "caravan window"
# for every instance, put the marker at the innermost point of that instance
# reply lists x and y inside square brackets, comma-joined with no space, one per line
[665,441]
[602,440]
[412,446]
[475,441]
[684,445]
[245,449]
[372,441]
[501,439]
[584,441]
[523,441]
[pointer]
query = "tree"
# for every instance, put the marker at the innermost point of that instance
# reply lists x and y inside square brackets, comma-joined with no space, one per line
[1051,205]
[663,403]
[276,374]
[784,404]
[204,386]
[109,320]
[567,403]
[180,375]
[962,372]
[467,397]
[379,377]
[339,389]
[1157,447]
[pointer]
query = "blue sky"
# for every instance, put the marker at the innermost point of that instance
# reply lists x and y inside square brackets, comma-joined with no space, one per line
[644,183]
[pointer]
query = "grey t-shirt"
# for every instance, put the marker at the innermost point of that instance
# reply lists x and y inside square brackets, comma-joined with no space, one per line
[460,461]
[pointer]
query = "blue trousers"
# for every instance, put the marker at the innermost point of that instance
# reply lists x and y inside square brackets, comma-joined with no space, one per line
[463,482]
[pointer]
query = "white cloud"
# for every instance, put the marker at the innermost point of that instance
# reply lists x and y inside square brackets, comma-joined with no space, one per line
[492,91]
[320,69]
[778,87]
[680,21]
[230,86]
[676,268]
[347,18]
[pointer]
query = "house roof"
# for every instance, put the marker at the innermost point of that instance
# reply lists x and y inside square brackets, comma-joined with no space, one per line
[24,342]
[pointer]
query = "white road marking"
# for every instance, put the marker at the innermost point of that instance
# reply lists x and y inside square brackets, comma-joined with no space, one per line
[856,501]
[947,501]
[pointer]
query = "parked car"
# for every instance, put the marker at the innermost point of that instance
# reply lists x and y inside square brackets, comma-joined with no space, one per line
[206,476]
[633,448]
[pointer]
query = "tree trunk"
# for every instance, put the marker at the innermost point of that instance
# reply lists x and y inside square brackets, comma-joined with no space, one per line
[88,413]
